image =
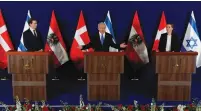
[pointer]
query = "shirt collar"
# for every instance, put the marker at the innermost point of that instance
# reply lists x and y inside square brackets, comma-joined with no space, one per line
[32,29]
[101,34]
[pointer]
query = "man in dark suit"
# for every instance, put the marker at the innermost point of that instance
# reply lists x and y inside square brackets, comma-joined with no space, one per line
[169,41]
[32,37]
[102,41]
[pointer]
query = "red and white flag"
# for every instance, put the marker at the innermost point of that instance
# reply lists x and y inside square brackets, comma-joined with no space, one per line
[81,38]
[58,50]
[5,43]
[161,30]
[137,53]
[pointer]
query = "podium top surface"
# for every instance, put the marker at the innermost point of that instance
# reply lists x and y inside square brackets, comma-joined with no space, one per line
[27,53]
[105,53]
[175,53]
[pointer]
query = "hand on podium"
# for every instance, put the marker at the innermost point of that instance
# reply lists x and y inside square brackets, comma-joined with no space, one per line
[80,47]
[123,45]
[41,50]
[84,50]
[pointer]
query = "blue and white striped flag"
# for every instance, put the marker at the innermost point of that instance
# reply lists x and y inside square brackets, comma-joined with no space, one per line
[191,40]
[109,30]
[21,46]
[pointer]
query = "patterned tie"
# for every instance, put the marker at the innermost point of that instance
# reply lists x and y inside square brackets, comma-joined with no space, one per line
[102,39]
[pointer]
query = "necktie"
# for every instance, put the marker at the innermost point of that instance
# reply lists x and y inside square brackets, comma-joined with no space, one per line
[102,39]
[35,33]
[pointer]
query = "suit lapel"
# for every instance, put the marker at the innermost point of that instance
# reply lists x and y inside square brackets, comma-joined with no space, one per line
[31,33]
[165,40]
[98,39]
[104,38]
[171,45]
[172,41]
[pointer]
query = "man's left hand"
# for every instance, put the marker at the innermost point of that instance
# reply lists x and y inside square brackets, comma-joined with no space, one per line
[123,45]
[41,50]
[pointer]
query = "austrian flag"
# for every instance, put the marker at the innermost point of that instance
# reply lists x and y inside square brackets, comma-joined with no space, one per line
[59,49]
[137,54]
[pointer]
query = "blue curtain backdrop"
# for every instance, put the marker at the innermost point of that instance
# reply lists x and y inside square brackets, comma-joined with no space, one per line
[67,14]
[122,13]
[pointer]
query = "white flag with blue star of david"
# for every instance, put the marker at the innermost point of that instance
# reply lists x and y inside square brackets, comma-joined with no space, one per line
[21,46]
[191,40]
[109,30]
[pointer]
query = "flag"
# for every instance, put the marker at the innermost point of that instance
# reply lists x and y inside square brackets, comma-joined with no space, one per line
[21,46]
[58,50]
[191,40]
[137,54]
[161,30]
[5,43]
[109,30]
[81,38]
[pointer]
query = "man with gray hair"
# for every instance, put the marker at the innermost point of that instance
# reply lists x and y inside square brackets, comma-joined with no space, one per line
[102,41]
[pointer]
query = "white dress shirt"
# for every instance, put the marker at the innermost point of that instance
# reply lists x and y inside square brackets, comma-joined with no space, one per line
[32,30]
[168,44]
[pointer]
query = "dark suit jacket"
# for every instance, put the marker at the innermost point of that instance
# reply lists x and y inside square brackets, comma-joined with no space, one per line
[97,46]
[175,44]
[31,42]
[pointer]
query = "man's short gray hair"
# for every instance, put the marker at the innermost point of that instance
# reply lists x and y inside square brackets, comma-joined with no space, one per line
[101,23]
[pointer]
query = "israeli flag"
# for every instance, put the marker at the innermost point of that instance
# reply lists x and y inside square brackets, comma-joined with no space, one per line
[21,46]
[191,40]
[109,30]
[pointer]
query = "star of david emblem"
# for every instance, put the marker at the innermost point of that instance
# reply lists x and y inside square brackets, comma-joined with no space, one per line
[191,43]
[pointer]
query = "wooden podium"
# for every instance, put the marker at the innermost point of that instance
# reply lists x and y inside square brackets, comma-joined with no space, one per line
[174,75]
[103,78]
[29,71]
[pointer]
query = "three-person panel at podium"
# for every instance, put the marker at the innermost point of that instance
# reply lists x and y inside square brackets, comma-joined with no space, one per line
[103,68]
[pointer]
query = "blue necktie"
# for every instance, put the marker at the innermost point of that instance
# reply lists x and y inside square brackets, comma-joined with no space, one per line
[102,39]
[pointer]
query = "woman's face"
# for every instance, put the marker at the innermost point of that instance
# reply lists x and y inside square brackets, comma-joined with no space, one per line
[169,28]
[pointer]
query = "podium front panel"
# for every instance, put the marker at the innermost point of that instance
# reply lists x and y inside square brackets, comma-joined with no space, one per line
[174,87]
[175,64]
[103,86]
[30,86]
